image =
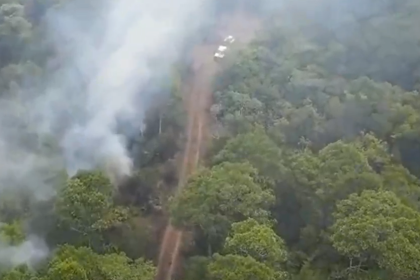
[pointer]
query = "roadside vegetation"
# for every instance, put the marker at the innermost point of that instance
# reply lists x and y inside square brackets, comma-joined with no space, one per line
[312,173]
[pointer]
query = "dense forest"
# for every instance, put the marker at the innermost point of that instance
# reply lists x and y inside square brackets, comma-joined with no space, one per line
[312,172]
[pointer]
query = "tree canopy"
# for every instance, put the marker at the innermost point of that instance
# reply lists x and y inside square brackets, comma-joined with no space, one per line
[312,172]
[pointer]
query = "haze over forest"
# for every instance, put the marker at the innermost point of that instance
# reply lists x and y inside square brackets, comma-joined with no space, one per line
[311,166]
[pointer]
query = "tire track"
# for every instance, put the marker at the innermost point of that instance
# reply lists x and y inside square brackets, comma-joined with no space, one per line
[198,102]
[196,108]
[172,239]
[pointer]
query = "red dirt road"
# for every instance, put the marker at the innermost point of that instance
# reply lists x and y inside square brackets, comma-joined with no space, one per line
[198,101]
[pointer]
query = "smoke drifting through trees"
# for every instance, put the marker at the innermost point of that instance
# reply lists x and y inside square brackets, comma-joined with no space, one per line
[106,54]
[319,77]
[114,59]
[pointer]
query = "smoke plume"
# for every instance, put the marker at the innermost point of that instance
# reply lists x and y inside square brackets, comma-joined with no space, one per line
[112,55]
[106,52]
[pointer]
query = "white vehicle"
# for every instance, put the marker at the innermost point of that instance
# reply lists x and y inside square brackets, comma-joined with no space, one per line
[218,56]
[229,39]
[220,53]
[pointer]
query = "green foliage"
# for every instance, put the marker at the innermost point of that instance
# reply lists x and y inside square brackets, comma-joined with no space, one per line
[85,205]
[82,263]
[19,273]
[248,238]
[324,105]
[136,238]
[309,273]
[256,148]
[378,226]
[340,169]
[66,270]
[12,233]
[319,120]
[234,267]
[214,198]
[196,268]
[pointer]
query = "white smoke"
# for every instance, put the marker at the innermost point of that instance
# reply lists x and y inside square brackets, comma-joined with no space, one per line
[106,55]
[114,62]
[30,252]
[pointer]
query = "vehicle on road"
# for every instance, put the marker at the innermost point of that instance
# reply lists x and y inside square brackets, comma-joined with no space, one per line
[220,53]
[221,50]
[229,39]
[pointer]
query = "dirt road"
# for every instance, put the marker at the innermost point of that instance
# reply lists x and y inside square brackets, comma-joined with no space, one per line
[198,100]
